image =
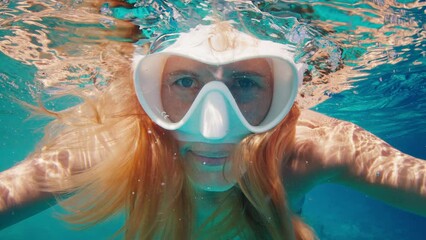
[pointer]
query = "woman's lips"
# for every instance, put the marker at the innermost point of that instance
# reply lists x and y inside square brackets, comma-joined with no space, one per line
[210,158]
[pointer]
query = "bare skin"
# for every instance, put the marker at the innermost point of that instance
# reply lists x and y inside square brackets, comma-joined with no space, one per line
[326,150]
[21,195]
[333,151]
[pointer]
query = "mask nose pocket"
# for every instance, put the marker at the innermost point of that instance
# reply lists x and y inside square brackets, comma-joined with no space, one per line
[214,117]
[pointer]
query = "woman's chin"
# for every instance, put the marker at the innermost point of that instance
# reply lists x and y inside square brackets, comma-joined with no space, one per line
[211,174]
[205,186]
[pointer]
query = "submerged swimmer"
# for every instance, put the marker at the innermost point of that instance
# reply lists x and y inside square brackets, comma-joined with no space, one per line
[207,142]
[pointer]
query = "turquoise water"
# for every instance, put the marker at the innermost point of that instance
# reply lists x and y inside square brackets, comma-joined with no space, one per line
[383,43]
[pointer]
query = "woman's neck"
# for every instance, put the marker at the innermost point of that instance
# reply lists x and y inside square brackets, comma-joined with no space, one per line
[206,203]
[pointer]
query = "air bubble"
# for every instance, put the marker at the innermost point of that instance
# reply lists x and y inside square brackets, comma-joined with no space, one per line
[58,6]
[107,23]
[105,10]
[391,55]
[3,77]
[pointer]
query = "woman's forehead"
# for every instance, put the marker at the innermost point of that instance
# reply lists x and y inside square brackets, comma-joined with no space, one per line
[174,63]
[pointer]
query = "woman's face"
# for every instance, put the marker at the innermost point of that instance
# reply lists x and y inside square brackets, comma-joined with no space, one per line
[251,84]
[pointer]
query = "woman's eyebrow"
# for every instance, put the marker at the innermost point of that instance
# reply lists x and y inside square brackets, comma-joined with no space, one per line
[247,72]
[181,72]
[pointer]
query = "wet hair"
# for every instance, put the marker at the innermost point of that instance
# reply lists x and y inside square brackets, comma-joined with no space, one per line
[118,161]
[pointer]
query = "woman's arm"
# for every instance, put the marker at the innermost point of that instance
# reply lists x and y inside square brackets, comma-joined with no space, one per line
[23,188]
[20,194]
[383,172]
[342,152]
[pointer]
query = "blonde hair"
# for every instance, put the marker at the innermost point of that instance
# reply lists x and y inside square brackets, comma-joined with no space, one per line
[120,161]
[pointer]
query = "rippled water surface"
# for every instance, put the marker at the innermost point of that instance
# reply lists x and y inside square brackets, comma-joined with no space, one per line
[366,64]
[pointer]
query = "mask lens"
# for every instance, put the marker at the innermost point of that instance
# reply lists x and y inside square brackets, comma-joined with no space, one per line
[250,83]
[178,91]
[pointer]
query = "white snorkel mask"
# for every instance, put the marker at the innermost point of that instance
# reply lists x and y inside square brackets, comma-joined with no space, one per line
[212,110]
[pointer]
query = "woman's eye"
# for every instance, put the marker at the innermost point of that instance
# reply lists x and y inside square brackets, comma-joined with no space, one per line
[245,82]
[185,82]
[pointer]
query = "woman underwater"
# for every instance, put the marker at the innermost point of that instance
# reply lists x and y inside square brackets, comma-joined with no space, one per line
[207,142]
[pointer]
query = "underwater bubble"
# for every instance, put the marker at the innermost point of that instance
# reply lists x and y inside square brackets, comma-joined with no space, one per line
[107,23]
[3,77]
[391,55]
[299,34]
[58,6]
[140,3]
[105,9]
[13,84]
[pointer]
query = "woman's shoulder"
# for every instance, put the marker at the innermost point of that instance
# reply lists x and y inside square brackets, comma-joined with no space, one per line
[320,141]
[315,119]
